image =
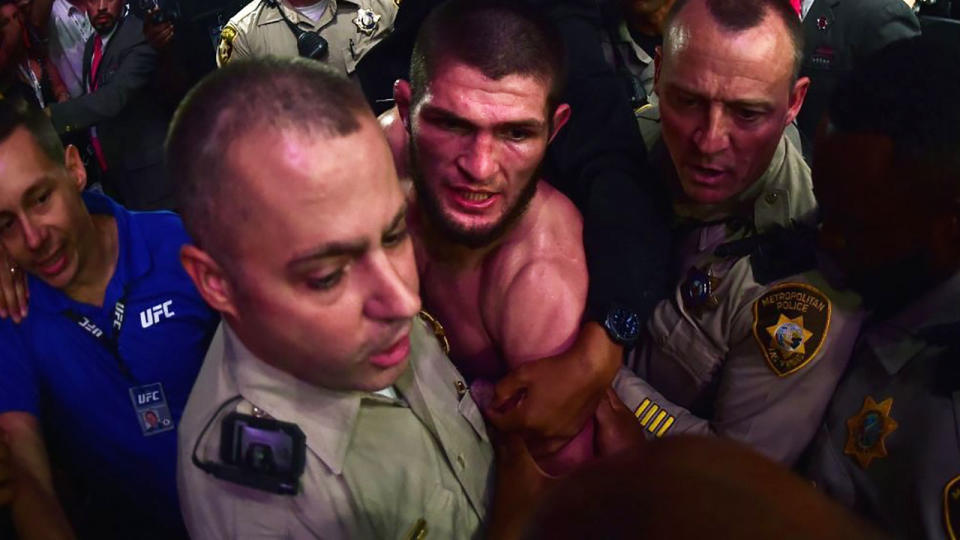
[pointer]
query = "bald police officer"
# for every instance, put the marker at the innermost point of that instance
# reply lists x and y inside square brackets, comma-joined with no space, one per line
[338,32]
[890,443]
[325,408]
[753,341]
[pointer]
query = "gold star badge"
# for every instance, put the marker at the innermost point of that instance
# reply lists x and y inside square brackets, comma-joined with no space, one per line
[789,335]
[868,429]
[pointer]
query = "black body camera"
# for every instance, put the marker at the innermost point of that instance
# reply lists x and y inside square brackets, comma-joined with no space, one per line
[261,453]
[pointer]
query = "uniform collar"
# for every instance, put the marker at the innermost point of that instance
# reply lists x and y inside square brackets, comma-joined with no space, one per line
[783,194]
[270,16]
[327,417]
[900,338]
[134,259]
[623,34]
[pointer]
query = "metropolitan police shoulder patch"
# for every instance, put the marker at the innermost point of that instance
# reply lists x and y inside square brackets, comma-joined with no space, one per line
[790,324]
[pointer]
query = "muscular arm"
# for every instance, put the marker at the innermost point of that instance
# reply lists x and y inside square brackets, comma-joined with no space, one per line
[36,511]
[539,314]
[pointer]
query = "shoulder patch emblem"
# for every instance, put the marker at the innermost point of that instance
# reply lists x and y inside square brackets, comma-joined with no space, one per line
[225,49]
[790,324]
[867,431]
[951,507]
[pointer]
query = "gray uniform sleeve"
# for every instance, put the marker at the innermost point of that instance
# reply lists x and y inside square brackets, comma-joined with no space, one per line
[731,386]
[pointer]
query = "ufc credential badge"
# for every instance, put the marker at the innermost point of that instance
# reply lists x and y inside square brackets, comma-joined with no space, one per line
[790,323]
[150,405]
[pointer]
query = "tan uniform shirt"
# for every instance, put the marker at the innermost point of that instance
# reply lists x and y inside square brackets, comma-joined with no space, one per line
[375,466]
[351,29]
[757,362]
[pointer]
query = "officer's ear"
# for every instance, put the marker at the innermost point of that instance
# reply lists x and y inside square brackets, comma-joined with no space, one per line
[74,165]
[402,95]
[209,278]
[797,94]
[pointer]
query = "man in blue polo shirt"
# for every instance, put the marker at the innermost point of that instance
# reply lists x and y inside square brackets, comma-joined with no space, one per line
[100,370]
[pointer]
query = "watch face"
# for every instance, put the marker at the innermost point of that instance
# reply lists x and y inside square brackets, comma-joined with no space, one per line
[624,325]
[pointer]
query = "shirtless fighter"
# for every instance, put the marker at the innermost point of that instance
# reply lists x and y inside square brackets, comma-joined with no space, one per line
[499,251]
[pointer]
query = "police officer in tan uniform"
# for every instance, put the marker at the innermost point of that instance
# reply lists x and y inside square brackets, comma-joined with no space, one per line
[273,27]
[889,446]
[325,407]
[754,339]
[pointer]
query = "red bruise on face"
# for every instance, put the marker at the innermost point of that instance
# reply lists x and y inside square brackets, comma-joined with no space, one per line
[477,143]
[725,99]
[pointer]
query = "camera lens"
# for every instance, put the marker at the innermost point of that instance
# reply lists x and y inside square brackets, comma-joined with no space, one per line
[259,457]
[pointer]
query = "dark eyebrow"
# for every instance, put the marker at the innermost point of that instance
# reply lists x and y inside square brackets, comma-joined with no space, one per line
[397,220]
[433,112]
[341,249]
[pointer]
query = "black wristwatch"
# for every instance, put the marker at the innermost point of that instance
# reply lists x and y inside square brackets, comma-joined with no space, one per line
[623,326]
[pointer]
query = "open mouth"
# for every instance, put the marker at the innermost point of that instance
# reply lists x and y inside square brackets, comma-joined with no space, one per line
[54,264]
[472,200]
[394,354]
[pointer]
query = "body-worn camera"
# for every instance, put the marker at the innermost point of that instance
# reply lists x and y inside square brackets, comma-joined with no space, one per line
[156,11]
[262,453]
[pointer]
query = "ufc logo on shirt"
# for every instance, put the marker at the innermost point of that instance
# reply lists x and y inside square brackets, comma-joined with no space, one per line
[154,315]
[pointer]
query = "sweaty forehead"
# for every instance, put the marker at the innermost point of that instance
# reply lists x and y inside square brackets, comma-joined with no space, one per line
[465,91]
[698,51]
[297,188]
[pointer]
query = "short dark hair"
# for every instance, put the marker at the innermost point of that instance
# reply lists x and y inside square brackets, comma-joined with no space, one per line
[17,113]
[497,37]
[920,113]
[740,15]
[248,97]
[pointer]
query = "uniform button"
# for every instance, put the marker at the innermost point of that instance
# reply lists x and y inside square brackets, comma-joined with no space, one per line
[661,340]
[461,462]
[461,388]
[772,197]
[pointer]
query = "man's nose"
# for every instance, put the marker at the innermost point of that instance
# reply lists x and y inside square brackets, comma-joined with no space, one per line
[713,134]
[391,296]
[479,160]
[33,234]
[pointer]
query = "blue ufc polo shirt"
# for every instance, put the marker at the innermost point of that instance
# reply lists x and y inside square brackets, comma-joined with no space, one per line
[109,383]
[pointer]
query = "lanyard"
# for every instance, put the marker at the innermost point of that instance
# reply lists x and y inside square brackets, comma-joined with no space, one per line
[111,342]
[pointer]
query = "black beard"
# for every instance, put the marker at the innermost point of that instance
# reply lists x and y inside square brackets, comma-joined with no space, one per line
[471,238]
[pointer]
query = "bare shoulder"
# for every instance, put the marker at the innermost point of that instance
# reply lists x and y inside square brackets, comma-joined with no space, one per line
[538,280]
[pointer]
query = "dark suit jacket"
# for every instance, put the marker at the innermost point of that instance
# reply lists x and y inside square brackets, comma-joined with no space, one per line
[131,123]
[840,33]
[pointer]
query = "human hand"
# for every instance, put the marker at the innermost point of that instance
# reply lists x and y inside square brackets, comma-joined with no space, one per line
[552,398]
[617,430]
[14,294]
[158,35]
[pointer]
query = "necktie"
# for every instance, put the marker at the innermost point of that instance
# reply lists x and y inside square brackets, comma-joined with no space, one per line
[94,67]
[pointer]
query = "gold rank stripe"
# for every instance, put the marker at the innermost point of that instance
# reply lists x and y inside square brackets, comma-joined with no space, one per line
[641,408]
[661,422]
[666,425]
